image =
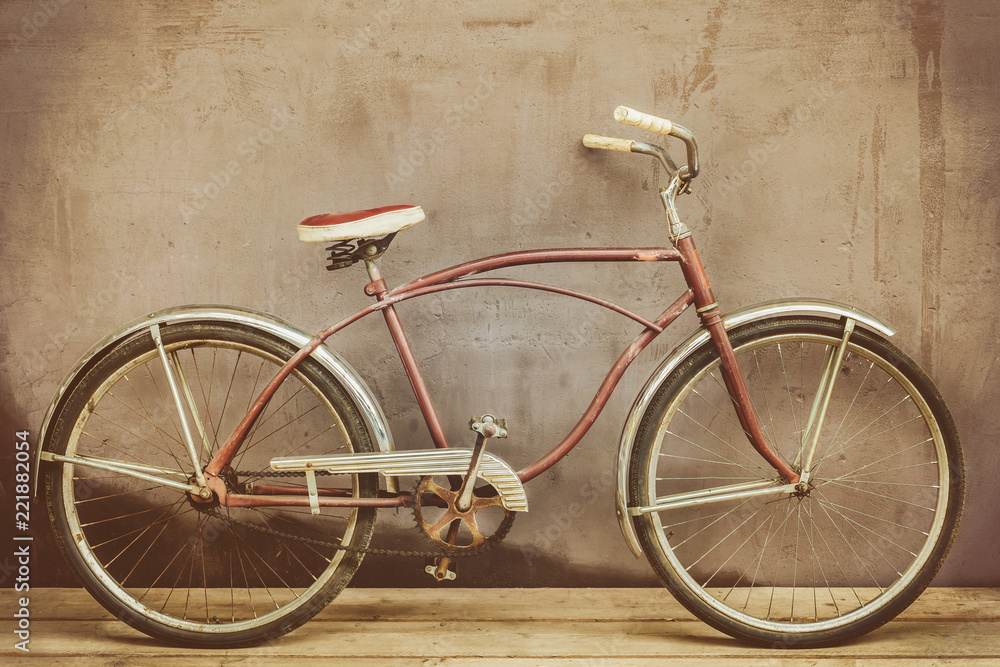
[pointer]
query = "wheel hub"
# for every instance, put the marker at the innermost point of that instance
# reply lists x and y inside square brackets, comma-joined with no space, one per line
[803,489]
[228,477]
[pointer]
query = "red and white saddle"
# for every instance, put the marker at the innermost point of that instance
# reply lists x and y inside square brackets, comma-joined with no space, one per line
[367,224]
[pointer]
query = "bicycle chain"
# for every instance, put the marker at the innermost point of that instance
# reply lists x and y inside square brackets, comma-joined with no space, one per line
[337,545]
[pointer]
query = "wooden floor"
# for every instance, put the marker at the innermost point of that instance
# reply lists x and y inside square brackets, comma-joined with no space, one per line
[509,627]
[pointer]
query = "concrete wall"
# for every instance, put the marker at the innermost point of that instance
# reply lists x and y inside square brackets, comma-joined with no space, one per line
[157,153]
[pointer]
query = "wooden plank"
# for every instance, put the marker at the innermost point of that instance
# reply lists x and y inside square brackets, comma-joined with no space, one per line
[537,604]
[770,661]
[515,627]
[231,661]
[411,640]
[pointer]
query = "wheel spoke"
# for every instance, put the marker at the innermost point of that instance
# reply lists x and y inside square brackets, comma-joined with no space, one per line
[854,472]
[725,442]
[847,412]
[763,392]
[882,495]
[720,460]
[877,518]
[788,390]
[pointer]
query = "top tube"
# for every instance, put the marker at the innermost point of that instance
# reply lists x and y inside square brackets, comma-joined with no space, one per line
[552,256]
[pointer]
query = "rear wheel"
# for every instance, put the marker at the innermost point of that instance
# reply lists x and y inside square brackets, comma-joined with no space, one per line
[820,566]
[186,572]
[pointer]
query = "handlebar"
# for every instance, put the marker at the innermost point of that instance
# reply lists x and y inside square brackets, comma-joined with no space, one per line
[607,143]
[628,116]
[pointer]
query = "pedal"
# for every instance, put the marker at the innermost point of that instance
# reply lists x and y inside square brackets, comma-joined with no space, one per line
[440,569]
[489,426]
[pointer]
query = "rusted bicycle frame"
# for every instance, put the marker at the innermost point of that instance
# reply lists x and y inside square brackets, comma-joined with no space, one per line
[699,293]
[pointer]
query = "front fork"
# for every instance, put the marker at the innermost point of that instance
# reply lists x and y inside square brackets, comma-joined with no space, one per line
[817,414]
[711,318]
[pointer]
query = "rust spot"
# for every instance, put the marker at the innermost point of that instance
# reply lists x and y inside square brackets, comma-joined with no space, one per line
[505,23]
[703,73]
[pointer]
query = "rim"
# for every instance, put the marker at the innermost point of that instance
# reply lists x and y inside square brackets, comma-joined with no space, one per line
[887,594]
[98,568]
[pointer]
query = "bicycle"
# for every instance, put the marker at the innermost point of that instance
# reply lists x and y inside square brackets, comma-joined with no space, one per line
[213,473]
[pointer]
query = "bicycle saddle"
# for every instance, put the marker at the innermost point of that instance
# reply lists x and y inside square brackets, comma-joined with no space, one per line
[366,224]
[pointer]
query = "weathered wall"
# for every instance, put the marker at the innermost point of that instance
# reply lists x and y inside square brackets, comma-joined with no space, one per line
[157,153]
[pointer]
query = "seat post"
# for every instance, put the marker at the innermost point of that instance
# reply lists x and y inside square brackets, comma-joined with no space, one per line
[377,287]
[373,271]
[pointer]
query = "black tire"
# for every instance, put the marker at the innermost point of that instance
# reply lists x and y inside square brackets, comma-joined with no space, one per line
[156,559]
[807,569]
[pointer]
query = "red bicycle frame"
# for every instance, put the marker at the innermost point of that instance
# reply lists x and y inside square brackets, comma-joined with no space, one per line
[699,293]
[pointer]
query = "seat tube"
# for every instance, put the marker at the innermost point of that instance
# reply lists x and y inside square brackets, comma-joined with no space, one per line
[711,318]
[377,288]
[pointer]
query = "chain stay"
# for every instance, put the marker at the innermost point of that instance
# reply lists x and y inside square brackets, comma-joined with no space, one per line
[337,545]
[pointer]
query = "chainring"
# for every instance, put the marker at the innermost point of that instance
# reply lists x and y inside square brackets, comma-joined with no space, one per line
[454,530]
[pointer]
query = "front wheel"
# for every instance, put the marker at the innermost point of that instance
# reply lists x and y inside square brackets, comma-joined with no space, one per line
[192,573]
[837,559]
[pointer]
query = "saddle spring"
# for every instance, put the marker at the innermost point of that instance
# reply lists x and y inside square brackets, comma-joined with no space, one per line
[346,253]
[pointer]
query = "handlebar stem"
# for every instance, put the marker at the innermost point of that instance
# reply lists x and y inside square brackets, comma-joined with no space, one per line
[668,195]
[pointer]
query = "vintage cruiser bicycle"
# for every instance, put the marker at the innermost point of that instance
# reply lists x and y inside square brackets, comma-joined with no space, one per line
[213,474]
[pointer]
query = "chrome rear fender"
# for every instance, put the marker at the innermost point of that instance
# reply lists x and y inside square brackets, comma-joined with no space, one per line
[832,310]
[371,412]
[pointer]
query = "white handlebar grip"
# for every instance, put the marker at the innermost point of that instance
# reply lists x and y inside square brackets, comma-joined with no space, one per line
[607,143]
[628,116]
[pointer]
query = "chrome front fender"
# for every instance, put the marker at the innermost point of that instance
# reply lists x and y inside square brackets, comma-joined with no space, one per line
[371,412]
[760,311]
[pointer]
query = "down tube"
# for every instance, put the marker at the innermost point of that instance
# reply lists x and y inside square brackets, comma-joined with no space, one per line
[605,390]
